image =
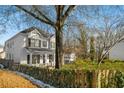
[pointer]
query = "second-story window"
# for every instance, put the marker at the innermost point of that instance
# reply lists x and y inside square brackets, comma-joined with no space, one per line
[44,43]
[34,43]
[52,45]
[37,43]
[7,45]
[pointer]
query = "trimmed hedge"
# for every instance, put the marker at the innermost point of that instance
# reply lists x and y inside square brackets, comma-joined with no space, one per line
[6,63]
[73,78]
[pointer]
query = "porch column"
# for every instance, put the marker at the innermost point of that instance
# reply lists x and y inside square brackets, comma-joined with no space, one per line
[41,58]
[30,59]
[46,59]
[54,59]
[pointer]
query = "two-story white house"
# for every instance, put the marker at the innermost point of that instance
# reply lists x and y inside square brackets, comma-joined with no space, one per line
[31,46]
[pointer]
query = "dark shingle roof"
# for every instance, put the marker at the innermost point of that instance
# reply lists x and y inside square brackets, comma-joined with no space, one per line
[44,33]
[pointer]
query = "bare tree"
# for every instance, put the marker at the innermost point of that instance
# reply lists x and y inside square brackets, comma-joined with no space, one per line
[61,14]
[112,34]
[104,45]
[83,38]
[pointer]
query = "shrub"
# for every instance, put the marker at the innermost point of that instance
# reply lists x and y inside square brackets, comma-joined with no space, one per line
[74,78]
[119,78]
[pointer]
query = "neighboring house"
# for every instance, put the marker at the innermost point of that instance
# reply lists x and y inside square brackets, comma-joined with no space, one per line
[31,46]
[69,57]
[117,51]
[2,53]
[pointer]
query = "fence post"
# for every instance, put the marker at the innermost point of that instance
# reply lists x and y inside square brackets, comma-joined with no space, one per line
[94,80]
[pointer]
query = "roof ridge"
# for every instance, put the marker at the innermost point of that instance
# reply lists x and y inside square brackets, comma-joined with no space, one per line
[45,33]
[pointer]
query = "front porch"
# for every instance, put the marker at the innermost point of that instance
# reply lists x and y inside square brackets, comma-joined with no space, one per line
[38,57]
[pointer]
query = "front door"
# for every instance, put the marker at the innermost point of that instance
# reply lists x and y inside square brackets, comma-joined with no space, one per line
[35,59]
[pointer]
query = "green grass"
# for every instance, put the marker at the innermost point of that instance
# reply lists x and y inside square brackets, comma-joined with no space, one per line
[89,65]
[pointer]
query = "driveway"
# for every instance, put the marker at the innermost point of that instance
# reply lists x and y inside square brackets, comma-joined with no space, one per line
[11,80]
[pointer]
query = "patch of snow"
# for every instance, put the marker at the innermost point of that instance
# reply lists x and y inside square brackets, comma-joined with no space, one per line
[1,66]
[35,81]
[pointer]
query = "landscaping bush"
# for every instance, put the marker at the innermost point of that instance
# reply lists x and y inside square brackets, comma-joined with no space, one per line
[74,78]
[89,65]
[6,63]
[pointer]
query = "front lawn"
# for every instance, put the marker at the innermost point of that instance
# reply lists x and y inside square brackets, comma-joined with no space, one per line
[89,65]
[9,79]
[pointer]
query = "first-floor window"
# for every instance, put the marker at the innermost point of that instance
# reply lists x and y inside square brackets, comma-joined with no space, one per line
[51,58]
[28,59]
[35,59]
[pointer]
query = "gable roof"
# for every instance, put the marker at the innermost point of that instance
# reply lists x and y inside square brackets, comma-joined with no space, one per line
[44,33]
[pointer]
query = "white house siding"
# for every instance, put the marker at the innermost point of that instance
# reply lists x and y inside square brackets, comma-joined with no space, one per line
[20,47]
[23,57]
[16,50]
[36,35]
[52,40]
[117,52]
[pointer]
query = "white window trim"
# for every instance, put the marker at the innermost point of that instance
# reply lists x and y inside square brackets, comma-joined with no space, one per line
[42,44]
[51,46]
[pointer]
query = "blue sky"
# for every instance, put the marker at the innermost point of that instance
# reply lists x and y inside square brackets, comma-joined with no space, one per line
[16,23]
[16,20]
[10,33]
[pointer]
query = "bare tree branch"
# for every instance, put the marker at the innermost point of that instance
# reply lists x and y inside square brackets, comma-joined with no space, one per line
[35,16]
[68,11]
[41,14]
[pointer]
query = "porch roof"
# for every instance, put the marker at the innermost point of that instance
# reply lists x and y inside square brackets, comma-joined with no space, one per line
[42,50]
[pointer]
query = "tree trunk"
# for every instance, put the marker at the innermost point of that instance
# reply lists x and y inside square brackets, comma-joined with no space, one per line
[59,39]
[59,49]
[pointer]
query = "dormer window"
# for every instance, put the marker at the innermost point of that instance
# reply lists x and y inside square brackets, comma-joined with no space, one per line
[35,34]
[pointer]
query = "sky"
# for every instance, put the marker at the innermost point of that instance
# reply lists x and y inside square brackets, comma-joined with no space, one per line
[13,21]
[16,22]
